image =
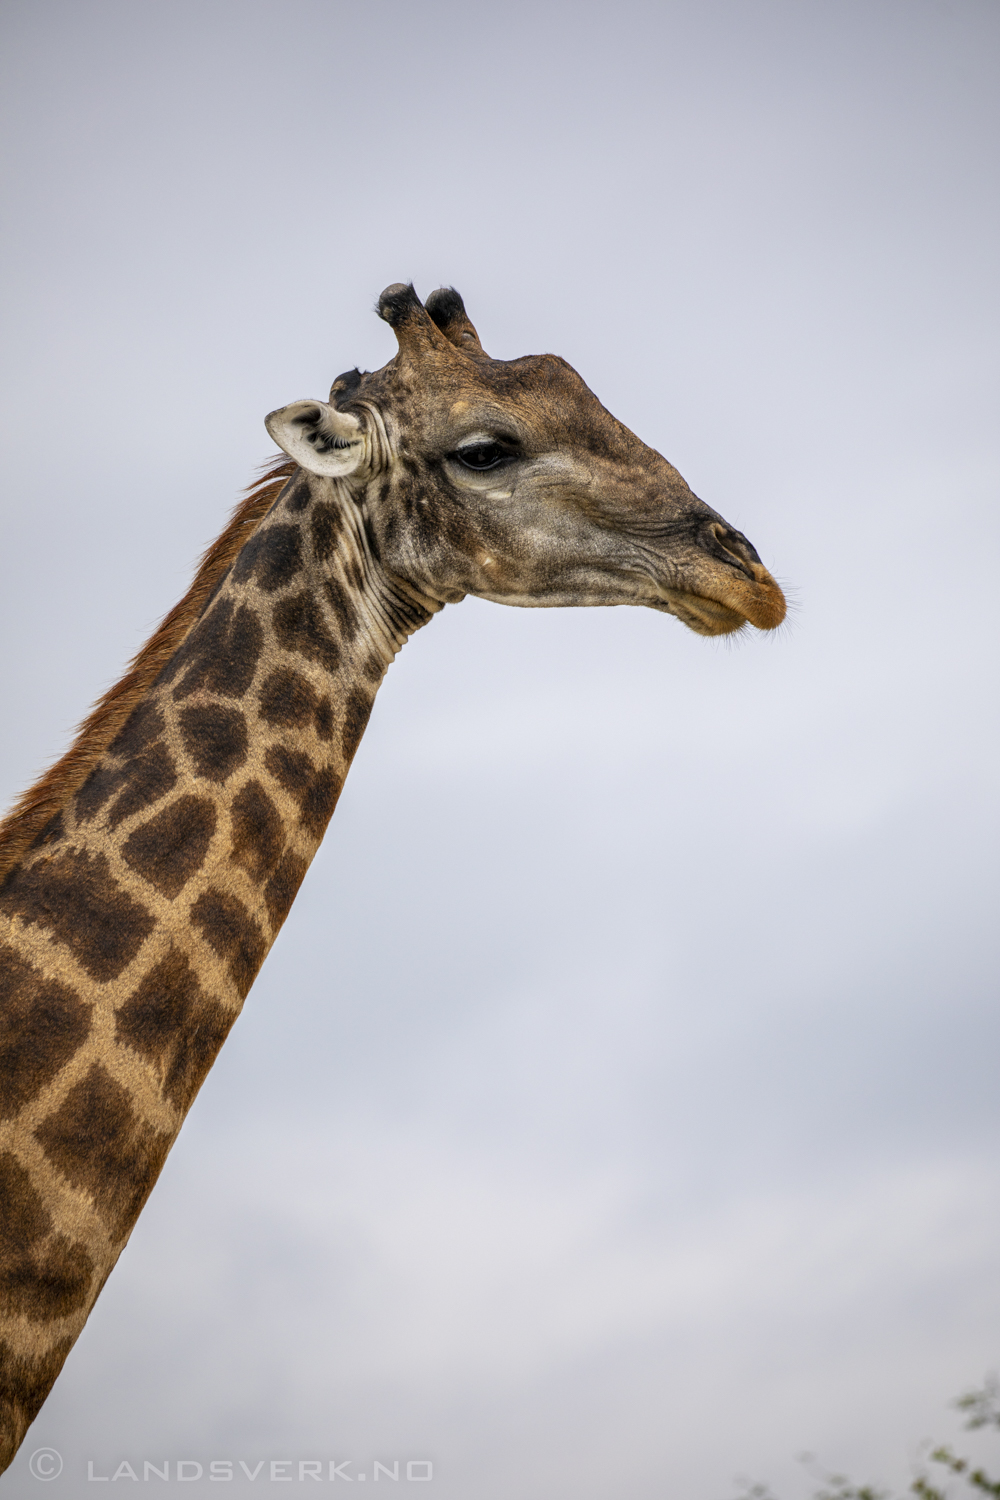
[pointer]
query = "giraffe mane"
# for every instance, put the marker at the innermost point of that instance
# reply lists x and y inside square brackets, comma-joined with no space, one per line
[33,810]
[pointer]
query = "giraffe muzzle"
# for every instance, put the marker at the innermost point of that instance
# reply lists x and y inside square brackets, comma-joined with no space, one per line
[730,586]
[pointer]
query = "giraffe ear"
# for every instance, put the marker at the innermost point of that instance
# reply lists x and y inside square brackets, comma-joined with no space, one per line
[318,437]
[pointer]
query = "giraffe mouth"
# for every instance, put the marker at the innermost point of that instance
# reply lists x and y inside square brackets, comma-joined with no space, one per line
[735,602]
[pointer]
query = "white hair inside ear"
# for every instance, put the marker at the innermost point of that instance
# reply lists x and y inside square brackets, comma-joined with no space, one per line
[318,437]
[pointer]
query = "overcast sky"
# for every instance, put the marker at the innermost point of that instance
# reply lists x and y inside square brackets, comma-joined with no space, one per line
[618,1111]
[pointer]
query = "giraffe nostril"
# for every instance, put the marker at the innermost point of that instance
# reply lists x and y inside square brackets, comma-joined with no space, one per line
[730,547]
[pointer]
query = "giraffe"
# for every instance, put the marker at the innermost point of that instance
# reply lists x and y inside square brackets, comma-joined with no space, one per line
[146,875]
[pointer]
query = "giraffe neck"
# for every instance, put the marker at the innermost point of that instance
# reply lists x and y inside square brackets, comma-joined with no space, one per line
[132,931]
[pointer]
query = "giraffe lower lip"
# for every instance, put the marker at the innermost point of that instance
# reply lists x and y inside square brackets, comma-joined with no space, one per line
[703,616]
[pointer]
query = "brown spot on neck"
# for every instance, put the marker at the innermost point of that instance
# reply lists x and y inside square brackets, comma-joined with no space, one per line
[75,897]
[24,1385]
[43,1275]
[99,1144]
[174,1026]
[44,1025]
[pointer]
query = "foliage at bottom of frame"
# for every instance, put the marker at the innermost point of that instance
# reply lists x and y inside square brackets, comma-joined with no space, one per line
[981,1408]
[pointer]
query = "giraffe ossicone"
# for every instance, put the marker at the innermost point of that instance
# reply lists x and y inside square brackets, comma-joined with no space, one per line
[145,876]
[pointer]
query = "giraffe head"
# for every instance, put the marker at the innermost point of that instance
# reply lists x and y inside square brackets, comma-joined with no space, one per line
[508,479]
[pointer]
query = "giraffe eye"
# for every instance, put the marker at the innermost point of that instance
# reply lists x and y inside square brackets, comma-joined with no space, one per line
[481,456]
